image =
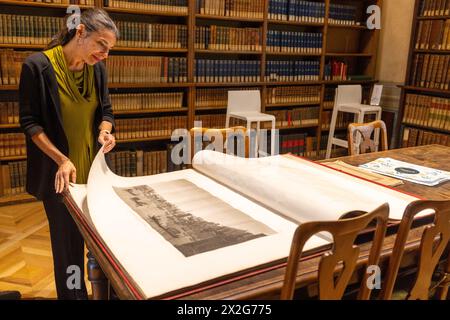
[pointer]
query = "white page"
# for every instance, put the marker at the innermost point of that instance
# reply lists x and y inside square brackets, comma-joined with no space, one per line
[300,189]
[155,264]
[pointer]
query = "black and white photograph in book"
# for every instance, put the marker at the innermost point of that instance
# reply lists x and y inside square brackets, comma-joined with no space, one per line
[193,224]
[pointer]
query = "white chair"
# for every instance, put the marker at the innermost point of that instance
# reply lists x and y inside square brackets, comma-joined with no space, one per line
[348,99]
[246,105]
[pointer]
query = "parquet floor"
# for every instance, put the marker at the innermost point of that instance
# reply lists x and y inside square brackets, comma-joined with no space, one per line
[26,263]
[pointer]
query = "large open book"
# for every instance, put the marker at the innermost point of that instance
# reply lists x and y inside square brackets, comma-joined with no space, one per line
[177,230]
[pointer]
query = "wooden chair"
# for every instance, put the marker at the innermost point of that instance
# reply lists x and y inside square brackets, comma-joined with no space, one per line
[430,252]
[225,133]
[344,252]
[365,131]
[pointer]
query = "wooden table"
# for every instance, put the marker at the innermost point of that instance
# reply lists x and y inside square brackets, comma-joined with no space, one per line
[267,285]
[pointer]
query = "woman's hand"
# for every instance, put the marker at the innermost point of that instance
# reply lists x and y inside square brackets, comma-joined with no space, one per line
[65,172]
[107,140]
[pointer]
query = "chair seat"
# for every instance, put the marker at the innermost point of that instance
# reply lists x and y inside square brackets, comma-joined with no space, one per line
[352,107]
[253,116]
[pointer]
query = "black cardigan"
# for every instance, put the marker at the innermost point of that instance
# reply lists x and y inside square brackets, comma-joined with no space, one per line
[40,110]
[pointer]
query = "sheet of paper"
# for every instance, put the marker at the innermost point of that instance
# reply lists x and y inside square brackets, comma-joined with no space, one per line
[407,171]
[178,229]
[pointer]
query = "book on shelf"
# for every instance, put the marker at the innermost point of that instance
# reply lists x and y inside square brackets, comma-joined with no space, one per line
[215,37]
[297,11]
[12,145]
[432,8]
[431,71]
[294,42]
[80,2]
[344,14]
[251,9]
[178,6]
[214,97]
[215,70]
[145,128]
[428,111]
[151,35]
[256,210]
[9,112]
[135,102]
[13,178]
[144,69]
[336,70]
[11,65]
[433,35]
[413,137]
[32,30]
[138,163]
[292,70]
[291,94]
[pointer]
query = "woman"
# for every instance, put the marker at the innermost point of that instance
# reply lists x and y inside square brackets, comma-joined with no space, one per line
[64,110]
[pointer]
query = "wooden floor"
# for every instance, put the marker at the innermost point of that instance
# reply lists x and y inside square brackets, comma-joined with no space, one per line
[26,263]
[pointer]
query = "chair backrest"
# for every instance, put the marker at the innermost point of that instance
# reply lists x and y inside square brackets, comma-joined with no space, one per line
[366,142]
[244,101]
[239,140]
[344,254]
[430,251]
[348,94]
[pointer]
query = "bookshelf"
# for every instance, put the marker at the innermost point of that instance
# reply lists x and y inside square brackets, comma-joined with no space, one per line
[264,35]
[425,98]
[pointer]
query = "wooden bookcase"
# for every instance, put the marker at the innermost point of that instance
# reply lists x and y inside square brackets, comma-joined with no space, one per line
[426,121]
[354,44]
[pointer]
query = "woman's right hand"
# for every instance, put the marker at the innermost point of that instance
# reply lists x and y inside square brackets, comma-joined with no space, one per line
[66,172]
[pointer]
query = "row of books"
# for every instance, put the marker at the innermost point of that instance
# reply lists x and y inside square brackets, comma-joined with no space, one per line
[431,71]
[295,42]
[142,69]
[328,98]
[298,94]
[297,10]
[293,70]
[227,38]
[413,137]
[143,128]
[13,178]
[431,8]
[427,111]
[343,14]
[12,145]
[123,102]
[209,70]
[433,35]
[179,6]
[296,117]
[138,163]
[21,29]
[80,2]
[152,35]
[231,8]
[336,70]
[214,97]
[11,65]
[293,143]
[9,112]
[215,121]
[342,121]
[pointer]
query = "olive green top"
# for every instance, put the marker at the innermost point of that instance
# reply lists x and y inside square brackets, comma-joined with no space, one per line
[79,100]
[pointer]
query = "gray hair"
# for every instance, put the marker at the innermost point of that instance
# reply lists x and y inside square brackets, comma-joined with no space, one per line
[94,19]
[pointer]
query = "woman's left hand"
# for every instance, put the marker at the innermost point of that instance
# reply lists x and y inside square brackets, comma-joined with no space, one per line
[107,140]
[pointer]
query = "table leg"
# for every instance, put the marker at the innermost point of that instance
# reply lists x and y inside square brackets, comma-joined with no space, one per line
[98,280]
